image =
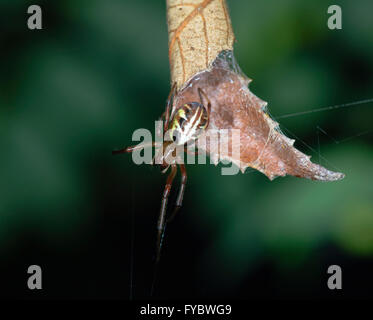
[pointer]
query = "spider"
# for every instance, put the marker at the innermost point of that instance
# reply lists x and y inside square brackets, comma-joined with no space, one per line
[185,124]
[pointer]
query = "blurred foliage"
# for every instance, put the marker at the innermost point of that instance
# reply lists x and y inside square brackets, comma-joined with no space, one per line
[99,70]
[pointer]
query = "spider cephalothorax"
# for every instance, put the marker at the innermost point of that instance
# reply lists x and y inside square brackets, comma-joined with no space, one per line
[186,124]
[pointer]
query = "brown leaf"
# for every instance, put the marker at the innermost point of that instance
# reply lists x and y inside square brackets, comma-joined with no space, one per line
[262,145]
[198,31]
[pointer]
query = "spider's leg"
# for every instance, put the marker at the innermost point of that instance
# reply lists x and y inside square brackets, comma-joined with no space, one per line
[169,106]
[162,214]
[200,93]
[137,147]
[180,196]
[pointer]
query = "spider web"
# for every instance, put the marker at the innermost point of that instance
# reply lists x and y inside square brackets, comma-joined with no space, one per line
[317,149]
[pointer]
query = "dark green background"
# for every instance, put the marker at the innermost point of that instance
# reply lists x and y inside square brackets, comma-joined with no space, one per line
[98,70]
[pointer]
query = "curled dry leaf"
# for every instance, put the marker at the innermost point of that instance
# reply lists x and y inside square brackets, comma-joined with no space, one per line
[198,31]
[201,56]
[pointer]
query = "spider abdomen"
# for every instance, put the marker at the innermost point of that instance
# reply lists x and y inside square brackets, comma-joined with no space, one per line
[188,122]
